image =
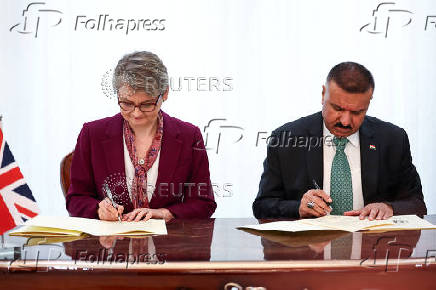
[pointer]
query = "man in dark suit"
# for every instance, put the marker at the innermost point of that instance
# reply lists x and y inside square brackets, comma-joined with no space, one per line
[363,164]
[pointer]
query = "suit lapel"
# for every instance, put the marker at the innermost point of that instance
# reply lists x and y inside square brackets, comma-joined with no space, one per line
[314,154]
[169,157]
[369,160]
[113,146]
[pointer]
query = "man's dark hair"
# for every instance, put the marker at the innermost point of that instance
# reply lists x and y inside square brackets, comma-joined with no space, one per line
[351,77]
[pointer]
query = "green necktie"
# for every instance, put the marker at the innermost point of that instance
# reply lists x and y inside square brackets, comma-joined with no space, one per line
[341,189]
[341,247]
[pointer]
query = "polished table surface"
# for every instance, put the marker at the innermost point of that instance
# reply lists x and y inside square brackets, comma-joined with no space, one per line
[212,253]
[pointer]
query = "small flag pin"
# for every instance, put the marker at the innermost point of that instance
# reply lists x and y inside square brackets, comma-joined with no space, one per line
[372,147]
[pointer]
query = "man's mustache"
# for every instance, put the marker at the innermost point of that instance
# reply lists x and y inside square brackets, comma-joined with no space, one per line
[339,124]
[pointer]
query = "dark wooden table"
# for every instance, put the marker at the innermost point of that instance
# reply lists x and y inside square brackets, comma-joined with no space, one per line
[213,254]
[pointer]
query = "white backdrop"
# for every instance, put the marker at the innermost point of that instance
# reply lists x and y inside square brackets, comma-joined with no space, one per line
[253,64]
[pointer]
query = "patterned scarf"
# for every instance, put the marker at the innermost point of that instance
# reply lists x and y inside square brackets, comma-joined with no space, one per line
[139,185]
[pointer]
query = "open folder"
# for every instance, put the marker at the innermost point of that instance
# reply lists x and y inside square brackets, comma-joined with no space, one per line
[73,226]
[345,223]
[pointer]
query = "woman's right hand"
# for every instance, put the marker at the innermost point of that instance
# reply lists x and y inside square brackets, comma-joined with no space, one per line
[106,212]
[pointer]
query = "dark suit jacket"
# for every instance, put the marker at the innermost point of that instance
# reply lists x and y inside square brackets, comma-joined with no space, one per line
[295,158]
[183,185]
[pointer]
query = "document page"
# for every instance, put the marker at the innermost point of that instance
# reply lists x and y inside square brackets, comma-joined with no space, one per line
[287,226]
[406,222]
[47,225]
[345,223]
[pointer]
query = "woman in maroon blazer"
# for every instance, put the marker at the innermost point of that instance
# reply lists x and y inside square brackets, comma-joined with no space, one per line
[154,165]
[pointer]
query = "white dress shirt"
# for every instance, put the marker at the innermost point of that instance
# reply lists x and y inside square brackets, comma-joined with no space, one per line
[130,173]
[352,151]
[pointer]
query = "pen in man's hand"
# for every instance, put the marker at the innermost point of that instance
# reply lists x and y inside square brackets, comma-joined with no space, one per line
[319,188]
[109,195]
[316,184]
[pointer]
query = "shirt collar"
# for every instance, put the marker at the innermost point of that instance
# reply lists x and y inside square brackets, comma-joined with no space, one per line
[353,138]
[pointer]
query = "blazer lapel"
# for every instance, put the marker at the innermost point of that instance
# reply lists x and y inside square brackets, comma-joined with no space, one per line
[314,153]
[369,158]
[113,146]
[169,158]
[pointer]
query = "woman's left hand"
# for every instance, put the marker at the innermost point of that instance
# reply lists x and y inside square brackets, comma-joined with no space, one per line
[144,214]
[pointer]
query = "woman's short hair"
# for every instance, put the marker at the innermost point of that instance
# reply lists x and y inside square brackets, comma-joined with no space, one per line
[142,71]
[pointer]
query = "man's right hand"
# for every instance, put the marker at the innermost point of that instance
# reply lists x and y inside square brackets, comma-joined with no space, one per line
[320,208]
[106,212]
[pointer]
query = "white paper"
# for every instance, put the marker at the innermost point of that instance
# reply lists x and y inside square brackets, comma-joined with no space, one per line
[345,223]
[93,226]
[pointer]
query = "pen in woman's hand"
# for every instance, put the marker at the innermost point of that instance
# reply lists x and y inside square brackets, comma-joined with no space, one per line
[109,196]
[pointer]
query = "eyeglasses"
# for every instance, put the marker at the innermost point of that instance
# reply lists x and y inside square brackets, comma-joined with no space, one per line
[143,107]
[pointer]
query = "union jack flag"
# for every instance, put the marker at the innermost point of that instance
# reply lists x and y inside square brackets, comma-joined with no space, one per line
[17,203]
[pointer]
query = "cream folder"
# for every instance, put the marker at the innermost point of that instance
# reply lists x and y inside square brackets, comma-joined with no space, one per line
[74,226]
[345,223]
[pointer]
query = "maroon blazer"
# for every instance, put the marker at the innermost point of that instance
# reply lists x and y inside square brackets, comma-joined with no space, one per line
[183,185]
